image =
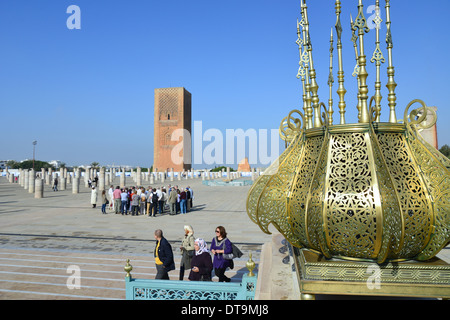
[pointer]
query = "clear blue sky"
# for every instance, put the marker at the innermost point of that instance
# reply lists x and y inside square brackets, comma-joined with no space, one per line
[88,95]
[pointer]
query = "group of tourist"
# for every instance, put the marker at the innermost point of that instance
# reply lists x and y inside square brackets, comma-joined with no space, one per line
[195,256]
[141,201]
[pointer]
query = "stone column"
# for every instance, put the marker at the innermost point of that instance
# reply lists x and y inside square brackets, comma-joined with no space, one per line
[101,180]
[138,177]
[39,188]
[50,176]
[26,179]
[86,177]
[31,179]
[11,178]
[123,180]
[62,184]
[171,174]
[76,185]
[47,178]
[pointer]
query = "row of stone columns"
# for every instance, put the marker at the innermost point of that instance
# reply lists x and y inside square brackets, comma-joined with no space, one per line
[34,181]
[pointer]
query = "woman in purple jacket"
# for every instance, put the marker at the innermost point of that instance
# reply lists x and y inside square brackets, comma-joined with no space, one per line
[220,245]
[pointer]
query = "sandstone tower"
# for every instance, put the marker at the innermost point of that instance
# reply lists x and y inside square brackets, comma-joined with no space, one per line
[172,113]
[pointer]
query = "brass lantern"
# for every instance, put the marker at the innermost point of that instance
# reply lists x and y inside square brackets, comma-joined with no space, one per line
[367,191]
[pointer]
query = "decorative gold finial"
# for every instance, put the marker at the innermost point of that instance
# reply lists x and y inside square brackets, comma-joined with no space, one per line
[361,25]
[317,122]
[356,70]
[305,61]
[391,85]
[250,266]
[330,83]
[341,90]
[303,71]
[128,268]
[378,59]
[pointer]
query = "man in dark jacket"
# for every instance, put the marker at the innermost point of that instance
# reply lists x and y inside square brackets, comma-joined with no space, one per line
[163,256]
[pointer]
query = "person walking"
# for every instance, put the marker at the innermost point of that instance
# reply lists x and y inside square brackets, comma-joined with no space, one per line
[183,202]
[123,199]
[154,203]
[104,201]
[163,256]
[117,200]
[111,198]
[188,200]
[173,202]
[187,250]
[178,202]
[220,245]
[192,196]
[161,195]
[94,197]
[142,201]
[201,263]
[55,184]
[134,203]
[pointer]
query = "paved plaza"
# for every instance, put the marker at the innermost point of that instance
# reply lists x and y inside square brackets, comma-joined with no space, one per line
[41,238]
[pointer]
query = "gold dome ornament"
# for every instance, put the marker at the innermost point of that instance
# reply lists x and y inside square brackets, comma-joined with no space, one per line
[250,266]
[128,268]
[371,190]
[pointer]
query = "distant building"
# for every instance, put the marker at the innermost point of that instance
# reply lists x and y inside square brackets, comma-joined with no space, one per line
[3,164]
[430,134]
[55,163]
[244,166]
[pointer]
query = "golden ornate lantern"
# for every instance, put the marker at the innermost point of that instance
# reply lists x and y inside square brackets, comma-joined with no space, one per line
[367,191]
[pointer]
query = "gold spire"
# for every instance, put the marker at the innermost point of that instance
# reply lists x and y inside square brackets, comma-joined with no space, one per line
[302,73]
[317,123]
[391,85]
[378,59]
[330,83]
[361,25]
[341,90]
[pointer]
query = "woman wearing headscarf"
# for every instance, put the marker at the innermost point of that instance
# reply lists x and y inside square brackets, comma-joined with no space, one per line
[201,263]
[187,250]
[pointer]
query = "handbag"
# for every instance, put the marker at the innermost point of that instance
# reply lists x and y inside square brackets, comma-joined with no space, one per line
[236,253]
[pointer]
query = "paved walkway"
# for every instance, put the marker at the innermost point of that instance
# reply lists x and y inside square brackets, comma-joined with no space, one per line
[41,238]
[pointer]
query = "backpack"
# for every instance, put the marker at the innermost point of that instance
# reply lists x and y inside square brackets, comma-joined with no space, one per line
[155,197]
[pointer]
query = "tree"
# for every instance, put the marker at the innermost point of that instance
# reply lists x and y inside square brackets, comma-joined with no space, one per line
[218,169]
[28,164]
[95,165]
[445,150]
